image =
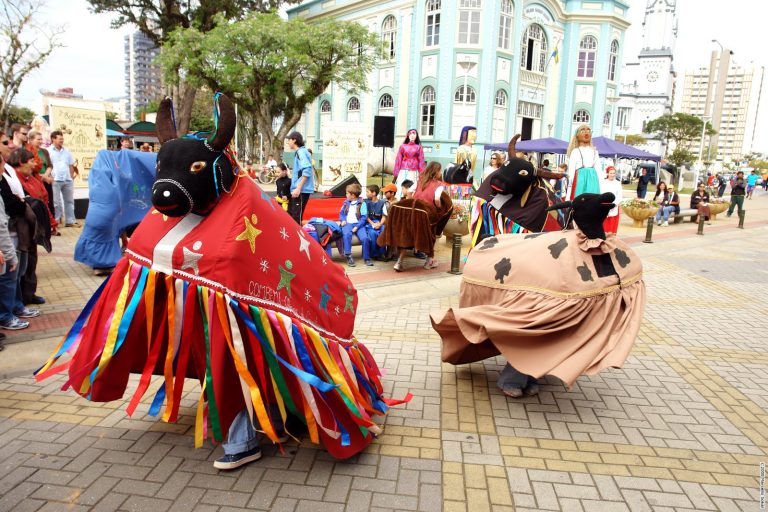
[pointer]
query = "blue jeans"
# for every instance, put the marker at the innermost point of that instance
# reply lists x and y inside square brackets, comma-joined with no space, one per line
[373,235]
[241,437]
[665,210]
[346,236]
[8,285]
[65,190]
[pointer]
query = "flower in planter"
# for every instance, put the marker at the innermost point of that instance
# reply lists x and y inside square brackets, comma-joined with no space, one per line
[460,212]
[639,203]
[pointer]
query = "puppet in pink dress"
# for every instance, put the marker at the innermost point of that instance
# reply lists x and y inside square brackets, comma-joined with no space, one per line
[409,163]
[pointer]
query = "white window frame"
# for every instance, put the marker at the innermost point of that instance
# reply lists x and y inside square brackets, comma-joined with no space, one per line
[427,116]
[506,21]
[353,109]
[612,60]
[432,24]
[464,109]
[607,118]
[534,32]
[500,111]
[323,109]
[582,116]
[389,36]
[587,57]
[468,30]
[386,102]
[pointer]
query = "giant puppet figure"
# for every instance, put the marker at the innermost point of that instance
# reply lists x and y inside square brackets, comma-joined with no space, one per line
[559,303]
[220,284]
[514,199]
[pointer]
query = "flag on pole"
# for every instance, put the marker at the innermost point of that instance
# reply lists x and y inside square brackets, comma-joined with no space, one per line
[556,55]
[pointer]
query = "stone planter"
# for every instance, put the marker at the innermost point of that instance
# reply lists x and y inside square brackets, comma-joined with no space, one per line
[638,215]
[715,208]
[454,226]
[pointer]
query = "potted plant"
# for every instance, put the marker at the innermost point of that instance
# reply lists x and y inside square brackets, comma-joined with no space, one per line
[717,205]
[458,222]
[639,210]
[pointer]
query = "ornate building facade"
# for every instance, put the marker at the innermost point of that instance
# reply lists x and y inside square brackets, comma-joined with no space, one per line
[539,68]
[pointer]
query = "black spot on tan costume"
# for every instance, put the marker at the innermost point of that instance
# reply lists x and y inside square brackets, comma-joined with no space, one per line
[489,243]
[622,258]
[558,247]
[502,269]
[585,273]
[533,235]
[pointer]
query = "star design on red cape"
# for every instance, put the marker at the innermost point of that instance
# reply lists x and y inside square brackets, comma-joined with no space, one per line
[286,277]
[165,217]
[251,232]
[304,244]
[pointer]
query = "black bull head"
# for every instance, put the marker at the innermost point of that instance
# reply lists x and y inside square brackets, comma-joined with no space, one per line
[192,171]
[515,175]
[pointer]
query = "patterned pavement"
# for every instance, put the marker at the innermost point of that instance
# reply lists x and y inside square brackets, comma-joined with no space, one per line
[683,426]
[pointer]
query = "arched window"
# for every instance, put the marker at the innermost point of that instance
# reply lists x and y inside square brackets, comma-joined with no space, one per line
[581,117]
[505,25]
[469,21]
[607,119]
[386,102]
[587,52]
[612,60]
[325,107]
[389,35]
[464,107]
[499,125]
[433,23]
[464,95]
[353,109]
[533,53]
[428,111]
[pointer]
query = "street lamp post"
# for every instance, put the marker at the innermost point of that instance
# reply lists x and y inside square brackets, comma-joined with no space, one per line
[700,167]
[549,129]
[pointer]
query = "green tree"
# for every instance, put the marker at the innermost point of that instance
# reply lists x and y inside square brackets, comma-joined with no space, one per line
[201,119]
[273,68]
[157,19]
[25,45]
[680,128]
[681,156]
[20,115]
[631,139]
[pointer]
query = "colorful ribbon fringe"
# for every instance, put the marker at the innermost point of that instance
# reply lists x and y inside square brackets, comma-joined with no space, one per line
[284,354]
[484,218]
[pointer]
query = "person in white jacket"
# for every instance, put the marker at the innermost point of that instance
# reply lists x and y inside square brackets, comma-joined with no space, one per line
[612,185]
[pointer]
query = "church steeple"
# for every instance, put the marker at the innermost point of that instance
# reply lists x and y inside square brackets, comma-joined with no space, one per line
[660,26]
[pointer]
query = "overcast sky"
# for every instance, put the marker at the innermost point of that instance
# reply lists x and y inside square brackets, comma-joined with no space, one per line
[92,61]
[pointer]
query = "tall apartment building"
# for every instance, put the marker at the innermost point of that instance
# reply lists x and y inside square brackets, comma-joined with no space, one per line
[729,97]
[142,77]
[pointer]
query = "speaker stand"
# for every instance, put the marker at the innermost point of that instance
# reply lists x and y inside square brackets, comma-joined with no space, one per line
[383,149]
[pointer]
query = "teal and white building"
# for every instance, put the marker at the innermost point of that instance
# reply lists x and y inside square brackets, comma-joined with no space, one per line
[537,67]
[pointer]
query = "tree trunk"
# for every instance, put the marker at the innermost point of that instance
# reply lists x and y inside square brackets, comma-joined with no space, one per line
[184,112]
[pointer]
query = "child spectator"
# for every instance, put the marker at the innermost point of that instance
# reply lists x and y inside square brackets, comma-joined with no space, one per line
[562,184]
[283,186]
[352,218]
[375,224]
[390,192]
[408,189]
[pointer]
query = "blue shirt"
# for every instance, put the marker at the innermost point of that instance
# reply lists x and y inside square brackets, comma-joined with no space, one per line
[302,166]
[61,160]
[752,179]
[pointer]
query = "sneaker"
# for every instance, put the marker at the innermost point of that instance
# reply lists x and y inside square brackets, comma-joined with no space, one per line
[15,324]
[709,223]
[658,222]
[73,225]
[420,255]
[234,461]
[368,263]
[398,266]
[665,223]
[27,313]
[350,261]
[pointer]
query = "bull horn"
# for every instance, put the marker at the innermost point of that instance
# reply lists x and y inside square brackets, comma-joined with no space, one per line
[511,149]
[225,127]
[165,126]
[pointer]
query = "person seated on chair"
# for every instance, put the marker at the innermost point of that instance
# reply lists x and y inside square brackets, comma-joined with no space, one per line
[352,218]
[375,223]
[700,201]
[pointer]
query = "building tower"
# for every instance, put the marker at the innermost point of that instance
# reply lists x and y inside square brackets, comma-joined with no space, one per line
[648,87]
[142,76]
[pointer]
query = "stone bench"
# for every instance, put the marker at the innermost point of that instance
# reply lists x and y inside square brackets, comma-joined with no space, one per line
[684,212]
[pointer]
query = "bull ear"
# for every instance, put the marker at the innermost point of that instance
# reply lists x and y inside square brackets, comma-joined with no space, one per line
[225,122]
[511,148]
[165,125]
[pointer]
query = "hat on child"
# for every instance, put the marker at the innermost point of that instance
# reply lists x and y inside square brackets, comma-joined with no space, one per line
[390,188]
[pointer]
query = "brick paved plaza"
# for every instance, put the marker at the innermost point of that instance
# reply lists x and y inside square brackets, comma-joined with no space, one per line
[683,426]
